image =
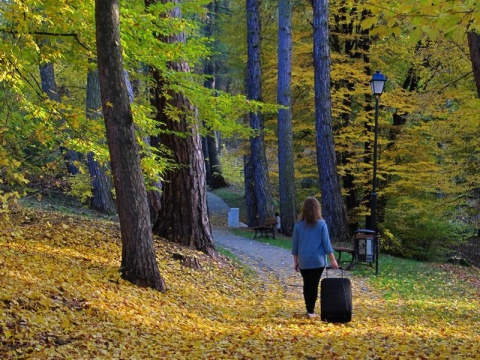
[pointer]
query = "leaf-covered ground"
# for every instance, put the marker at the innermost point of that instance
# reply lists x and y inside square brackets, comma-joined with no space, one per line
[61,297]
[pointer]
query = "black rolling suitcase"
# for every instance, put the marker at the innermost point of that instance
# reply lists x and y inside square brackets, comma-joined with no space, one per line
[336,299]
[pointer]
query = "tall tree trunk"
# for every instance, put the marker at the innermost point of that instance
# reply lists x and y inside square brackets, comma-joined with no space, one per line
[217,180]
[250,197]
[154,188]
[288,201]
[154,195]
[474,46]
[214,174]
[102,198]
[332,200]
[139,264]
[49,87]
[183,217]
[208,175]
[256,181]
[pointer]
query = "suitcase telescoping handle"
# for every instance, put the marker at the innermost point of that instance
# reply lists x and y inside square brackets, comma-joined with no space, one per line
[327,267]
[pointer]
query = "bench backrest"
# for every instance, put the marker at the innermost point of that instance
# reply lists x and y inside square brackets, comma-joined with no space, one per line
[270,222]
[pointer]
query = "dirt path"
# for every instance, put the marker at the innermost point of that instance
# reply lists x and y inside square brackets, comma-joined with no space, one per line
[266,259]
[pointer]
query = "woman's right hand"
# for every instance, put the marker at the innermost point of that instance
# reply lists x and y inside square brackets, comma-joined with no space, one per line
[333,261]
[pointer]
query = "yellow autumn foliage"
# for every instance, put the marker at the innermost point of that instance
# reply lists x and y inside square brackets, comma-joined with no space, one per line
[61,297]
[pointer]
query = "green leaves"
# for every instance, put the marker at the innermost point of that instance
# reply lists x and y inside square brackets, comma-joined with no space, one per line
[449,18]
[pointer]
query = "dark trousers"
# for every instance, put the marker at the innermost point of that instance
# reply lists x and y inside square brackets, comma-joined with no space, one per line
[311,279]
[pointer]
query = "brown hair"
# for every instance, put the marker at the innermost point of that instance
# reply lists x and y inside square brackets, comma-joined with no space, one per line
[311,211]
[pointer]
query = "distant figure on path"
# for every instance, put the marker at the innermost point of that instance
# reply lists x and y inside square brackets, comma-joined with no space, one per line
[310,244]
[278,222]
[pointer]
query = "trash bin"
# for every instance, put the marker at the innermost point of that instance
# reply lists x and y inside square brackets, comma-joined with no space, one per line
[364,245]
[234,217]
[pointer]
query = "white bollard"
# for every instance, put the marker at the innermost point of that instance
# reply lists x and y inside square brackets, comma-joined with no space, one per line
[234,217]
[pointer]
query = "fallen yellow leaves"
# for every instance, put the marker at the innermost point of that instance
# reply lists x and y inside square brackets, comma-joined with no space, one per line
[61,297]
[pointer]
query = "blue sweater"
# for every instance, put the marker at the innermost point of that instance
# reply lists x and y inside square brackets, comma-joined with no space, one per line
[311,244]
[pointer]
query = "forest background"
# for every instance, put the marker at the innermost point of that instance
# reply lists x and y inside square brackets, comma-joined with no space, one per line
[187,67]
[429,151]
[428,157]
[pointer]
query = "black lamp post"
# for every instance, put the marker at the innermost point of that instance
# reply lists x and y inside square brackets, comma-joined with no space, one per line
[377,83]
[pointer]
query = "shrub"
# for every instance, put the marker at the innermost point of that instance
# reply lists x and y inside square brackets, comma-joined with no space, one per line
[421,232]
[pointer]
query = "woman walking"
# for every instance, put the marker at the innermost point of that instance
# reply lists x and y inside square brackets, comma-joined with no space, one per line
[311,244]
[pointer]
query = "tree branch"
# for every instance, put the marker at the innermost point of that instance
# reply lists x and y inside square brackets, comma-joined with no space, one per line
[46,33]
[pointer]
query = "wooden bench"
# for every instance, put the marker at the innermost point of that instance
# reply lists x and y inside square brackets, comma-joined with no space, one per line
[341,250]
[264,230]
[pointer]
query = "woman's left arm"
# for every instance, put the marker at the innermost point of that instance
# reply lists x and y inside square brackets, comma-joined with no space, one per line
[327,246]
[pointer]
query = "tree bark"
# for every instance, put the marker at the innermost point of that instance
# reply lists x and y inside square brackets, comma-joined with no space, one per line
[139,264]
[49,85]
[217,180]
[288,201]
[154,195]
[102,198]
[208,175]
[183,217]
[257,181]
[474,46]
[214,174]
[333,204]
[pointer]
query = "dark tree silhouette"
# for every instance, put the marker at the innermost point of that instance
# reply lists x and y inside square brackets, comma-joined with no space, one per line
[288,201]
[102,198]
[183,216]
[139,264]
[257,185]
[333,204]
